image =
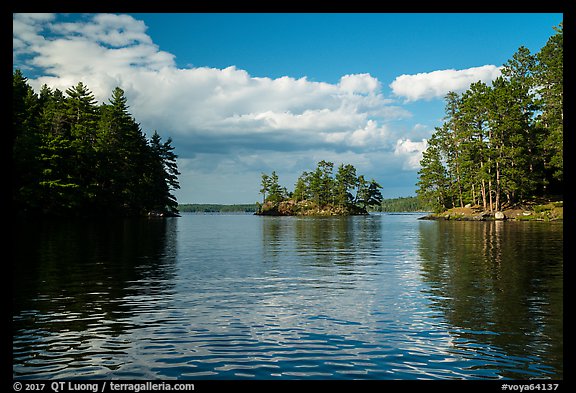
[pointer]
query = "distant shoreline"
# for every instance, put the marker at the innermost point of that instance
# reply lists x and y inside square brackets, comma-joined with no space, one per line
[217,208]
[407,204]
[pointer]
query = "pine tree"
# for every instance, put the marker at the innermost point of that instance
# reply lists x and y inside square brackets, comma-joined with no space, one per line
[321,183]
[474,108]
[373,194]
[265,186]
[81,115]
[432,178]
[549,76]
[301,188]
[501,144]
[161,176]
[53,113]
[25,141]
[345,182]
[116,148]
[275,192]
[72,157]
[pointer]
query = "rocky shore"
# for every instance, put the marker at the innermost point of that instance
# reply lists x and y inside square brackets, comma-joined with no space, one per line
[550,211]
[306,208]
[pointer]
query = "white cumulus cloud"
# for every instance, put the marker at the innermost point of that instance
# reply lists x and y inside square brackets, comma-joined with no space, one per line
[359,84]
[207,106]
[225,117]
[410,152]
[437,84]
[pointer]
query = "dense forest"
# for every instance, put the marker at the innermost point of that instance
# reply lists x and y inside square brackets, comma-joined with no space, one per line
[500,144]
[73,157]
[321,192]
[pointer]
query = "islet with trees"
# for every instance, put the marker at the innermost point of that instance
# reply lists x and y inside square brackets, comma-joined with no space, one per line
[320,193]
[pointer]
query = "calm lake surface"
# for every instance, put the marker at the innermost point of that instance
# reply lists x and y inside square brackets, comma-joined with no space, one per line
[245,297]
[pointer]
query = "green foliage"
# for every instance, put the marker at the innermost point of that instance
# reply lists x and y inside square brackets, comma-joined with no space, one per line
[276,193]
[345,181]
[301,191]
[549,75]
[216,208]
[74,157]
[343,192]
[500,144]
[402,204]
[433,183]
[368,193]
[265,184]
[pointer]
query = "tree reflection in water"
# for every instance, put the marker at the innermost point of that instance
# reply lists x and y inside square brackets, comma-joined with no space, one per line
[498,283]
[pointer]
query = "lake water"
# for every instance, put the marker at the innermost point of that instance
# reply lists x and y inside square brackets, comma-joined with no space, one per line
[384,296]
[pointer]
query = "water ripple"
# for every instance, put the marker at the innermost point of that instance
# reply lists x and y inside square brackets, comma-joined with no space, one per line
[241,297]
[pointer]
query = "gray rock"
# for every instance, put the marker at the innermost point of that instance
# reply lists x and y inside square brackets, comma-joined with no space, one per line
[499,216]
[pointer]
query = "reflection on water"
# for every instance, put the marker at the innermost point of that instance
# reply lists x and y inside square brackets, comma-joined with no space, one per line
[499,286]
[240,296]
[79,287]
[324,241]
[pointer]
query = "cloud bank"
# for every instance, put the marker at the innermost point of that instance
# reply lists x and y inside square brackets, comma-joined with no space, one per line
[228,126]
[436,84]
[202,104]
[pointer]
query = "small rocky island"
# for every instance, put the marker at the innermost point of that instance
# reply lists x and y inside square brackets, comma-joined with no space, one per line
[307,208]
[320,193]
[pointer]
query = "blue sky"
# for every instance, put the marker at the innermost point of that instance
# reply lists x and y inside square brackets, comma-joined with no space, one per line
[242,94]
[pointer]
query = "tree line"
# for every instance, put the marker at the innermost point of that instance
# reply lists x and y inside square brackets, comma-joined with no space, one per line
[73,157]
[402,204]
[217,208]
[500,144]
[324,188]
